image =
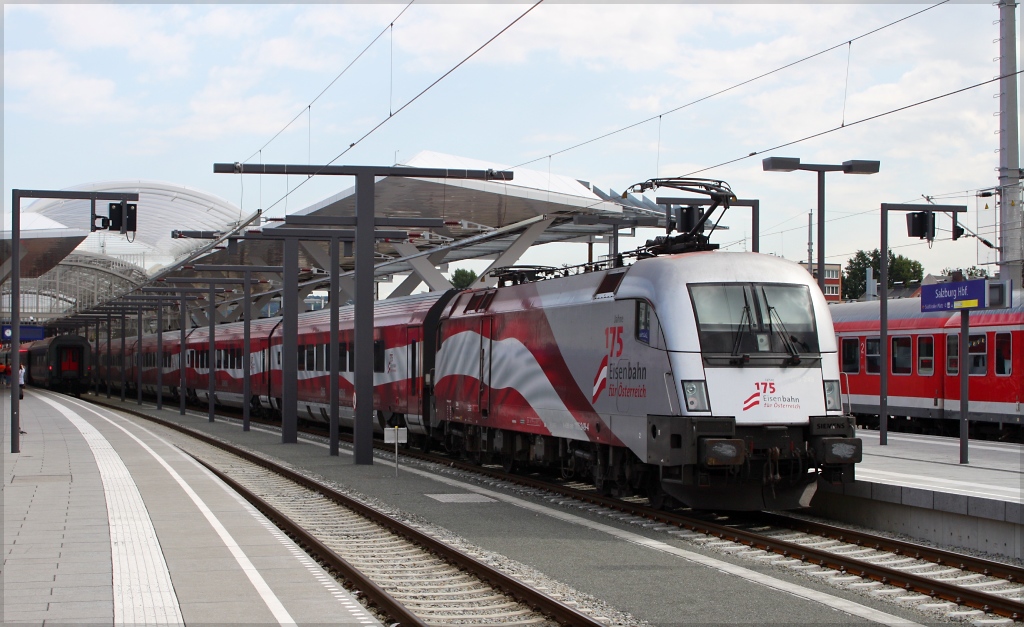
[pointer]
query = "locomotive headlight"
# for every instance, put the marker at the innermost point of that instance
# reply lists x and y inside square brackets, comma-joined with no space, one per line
[833,399]
[696,395]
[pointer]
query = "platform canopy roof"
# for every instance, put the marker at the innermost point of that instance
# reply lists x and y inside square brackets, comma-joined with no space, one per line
[482,219]
[44,243]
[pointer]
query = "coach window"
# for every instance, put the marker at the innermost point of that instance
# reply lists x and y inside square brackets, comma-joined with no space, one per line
[902,359]
[1003,354]
[952,354]
[925,355]
[871,349]
[977,352]
[851,355]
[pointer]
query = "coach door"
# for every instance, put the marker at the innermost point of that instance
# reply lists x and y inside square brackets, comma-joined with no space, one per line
[70,361]
[486,326]
[412,378]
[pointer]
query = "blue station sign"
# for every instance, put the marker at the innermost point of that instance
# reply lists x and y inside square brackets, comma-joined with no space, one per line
[960,295]
[28,333]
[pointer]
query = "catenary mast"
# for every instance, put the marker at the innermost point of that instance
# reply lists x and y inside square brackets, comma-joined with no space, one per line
[1011,216]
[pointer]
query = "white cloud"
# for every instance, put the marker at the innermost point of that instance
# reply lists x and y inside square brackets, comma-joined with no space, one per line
[144,34]
[45,84]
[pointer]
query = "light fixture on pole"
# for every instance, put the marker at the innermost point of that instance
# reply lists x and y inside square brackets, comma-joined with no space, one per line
[788,164]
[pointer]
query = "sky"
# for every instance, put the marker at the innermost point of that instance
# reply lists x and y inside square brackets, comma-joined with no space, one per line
[161,92]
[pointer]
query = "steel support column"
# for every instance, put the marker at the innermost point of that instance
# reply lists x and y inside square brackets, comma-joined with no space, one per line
[182,353]
[965,329]
[123,364]
[160,355]
[333,298]
[138,359]
[362,437]
[246,355]
[211,379]
[110,323]
[289,343]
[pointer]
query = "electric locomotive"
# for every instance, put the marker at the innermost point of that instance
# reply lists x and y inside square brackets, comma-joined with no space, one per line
[692,376]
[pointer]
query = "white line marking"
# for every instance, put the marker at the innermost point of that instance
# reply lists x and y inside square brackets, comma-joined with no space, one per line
[828,600]
[143,592]
[968,488]
[273,603]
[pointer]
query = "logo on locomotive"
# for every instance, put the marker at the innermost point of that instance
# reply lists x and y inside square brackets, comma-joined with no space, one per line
[628,379]
[768,397]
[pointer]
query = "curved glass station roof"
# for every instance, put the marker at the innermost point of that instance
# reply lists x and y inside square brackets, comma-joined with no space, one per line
[163,207]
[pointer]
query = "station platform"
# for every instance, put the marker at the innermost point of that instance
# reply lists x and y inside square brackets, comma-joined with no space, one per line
[646,569]
[916,485]
[107,522]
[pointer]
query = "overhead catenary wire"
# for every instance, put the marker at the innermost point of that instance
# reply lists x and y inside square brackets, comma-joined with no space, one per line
[333,81]
[860,121]
[731,88]
[410,101]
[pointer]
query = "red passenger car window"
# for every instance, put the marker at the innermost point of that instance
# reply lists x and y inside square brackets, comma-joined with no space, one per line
[925,355]
[1004,351]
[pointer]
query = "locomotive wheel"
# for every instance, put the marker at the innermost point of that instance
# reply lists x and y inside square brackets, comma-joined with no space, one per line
[508,464]
[255,407]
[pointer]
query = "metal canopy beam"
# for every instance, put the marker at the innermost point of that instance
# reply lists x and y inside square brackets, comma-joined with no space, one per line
[515,251]
[415,223]
[414,279]
[16,254]
[364,271]
[883,319]
[424,268]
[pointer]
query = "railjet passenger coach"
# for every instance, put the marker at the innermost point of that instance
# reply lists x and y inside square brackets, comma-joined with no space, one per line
[692,376]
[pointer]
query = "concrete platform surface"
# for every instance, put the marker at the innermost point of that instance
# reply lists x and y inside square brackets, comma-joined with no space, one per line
[106,522]
[636,568]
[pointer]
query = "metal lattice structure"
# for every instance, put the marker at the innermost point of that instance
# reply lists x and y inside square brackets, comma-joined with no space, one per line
[80,281]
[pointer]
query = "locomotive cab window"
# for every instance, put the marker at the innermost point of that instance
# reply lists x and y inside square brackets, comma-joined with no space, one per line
[925,355]
[851,355]
[1004,352]
[643,321]
[872,347]
[754,319]
[902,360]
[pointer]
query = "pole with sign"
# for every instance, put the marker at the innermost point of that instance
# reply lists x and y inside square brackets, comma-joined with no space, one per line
[965,296]
[398,435]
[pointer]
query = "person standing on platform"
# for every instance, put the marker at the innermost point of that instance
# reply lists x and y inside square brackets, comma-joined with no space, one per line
[21,382]
[3,374]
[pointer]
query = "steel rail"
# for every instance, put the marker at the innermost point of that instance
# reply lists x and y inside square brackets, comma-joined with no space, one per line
[917,551]
[374,594]
[523,593]
[934,588]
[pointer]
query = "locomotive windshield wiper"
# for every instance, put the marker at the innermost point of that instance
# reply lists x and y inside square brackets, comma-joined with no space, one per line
[773,317]
[740,333]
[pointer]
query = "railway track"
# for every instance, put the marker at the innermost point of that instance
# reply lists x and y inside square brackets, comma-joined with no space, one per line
[955,584]
[931,579]
[412,577]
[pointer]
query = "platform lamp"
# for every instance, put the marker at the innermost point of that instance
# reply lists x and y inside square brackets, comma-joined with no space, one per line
[788,164]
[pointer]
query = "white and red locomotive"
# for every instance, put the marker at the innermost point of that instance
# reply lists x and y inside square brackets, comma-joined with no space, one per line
[710,378]
[924,367]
